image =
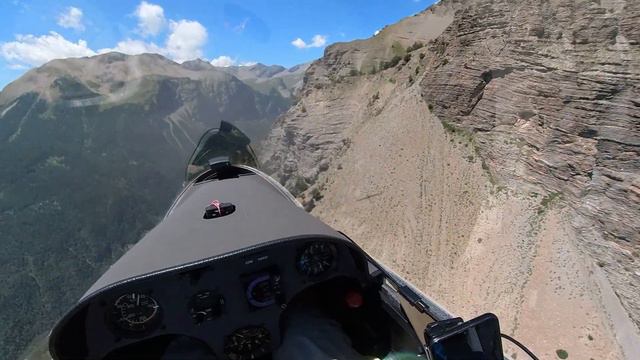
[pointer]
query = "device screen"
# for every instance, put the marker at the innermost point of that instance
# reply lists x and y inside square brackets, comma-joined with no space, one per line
[478,339]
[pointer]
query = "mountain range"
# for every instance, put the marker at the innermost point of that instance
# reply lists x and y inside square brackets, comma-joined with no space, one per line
[486,150]
[92,151]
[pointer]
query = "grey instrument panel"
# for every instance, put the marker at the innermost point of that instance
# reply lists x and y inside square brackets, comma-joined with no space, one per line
[212,300]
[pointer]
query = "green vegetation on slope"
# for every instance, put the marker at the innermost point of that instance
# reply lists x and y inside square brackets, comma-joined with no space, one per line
[80,184]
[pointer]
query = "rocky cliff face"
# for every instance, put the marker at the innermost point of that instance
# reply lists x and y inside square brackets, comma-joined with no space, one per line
[553,102]
[496,166]
[319,124]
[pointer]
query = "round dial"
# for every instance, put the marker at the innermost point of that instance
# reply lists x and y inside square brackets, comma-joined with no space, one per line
[260,292]
[135,312]
[205,305]
[316,258]
[253,342]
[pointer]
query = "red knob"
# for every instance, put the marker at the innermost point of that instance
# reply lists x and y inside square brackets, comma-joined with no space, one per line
[353,299]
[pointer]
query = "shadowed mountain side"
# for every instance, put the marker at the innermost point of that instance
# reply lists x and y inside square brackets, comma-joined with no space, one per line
[92,151]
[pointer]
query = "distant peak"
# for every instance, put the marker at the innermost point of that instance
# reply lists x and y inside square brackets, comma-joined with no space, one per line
[299,67]
[262,70]
[111,57]
[197,64]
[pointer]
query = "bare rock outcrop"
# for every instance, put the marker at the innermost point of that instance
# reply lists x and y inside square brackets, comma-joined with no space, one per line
[301,145]
[550,89]
[500,140]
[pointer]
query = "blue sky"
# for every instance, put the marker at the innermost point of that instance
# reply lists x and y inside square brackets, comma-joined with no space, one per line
[222,31]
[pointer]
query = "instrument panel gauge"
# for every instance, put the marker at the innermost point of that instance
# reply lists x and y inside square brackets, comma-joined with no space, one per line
[135,312]
[264,289]
[205,305]
[316,258]
[252,342]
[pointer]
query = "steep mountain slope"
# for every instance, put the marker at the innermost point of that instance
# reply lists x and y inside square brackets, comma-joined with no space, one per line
[496,166]
[566,96]
[92,152]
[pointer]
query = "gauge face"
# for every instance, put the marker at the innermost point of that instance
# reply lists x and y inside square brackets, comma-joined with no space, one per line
[135,312]
[251,342]
[260,291]
[316,258]
[206,305]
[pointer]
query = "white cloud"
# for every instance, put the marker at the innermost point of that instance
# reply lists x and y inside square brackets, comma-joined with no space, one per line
[241,26]
[71,18]
[36,50]
[186,40]
[223,61]
[299,43]
[150,18]
[16,67]
[226,61]
[316,42]
[135,47]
